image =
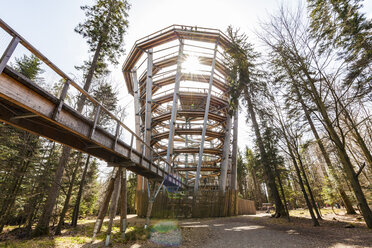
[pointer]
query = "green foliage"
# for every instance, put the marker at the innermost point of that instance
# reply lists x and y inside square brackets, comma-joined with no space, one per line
[329,194]
[240,61]
[105,25]
[29,66]
[131,192]
[105,94]
[341,24]
[89,203]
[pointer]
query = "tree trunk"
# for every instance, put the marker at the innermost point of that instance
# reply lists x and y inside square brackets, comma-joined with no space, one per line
[294,160]
[342,154]
[75,214]
[19,174]
[11,196]
[355,133]
[42,227]
[282,190]
[36,200]
[113,206]
[68,196]
[104,205]
[279,208]
[234,172]
[308,187]
[340,147]
[93,65]
[315,221]
[346,200]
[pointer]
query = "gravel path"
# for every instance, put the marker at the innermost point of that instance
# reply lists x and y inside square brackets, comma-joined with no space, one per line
[240,233]
[250,231]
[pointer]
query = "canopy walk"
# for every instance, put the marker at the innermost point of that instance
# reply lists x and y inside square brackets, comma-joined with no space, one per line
[29,106]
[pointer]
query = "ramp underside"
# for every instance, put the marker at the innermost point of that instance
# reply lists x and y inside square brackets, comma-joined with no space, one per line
[25,105]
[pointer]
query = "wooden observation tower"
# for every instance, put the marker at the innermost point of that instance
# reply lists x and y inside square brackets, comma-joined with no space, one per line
[178,79]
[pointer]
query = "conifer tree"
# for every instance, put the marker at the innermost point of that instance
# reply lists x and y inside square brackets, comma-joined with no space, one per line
[104,29]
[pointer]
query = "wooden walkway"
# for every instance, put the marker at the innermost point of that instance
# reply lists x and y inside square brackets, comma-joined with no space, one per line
[28,106]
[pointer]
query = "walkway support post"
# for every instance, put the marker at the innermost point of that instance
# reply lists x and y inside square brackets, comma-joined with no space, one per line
[225,155]
[113,207]
[104,205]
[201,150]
[174,106]
[151,196]
[123,203]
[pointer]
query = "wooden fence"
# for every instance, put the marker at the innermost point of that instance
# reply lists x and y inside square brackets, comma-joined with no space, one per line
[207,204]
[246,207]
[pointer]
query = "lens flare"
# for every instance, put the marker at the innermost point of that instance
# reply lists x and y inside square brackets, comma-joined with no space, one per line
[191,64]
[166,233]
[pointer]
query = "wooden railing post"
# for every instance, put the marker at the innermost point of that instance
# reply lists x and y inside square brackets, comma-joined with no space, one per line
[62,97]
[8,53]
[131,147]
[91,133]
[116,135]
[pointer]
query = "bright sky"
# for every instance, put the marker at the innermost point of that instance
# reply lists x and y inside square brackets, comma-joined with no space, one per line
[49,26]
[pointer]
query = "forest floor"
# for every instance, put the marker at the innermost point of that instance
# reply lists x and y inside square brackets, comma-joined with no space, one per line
[241,231]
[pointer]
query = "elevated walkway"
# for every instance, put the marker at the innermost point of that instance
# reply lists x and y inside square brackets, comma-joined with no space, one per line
[26,105]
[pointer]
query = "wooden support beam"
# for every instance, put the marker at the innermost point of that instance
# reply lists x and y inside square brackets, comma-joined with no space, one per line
[23,116]
[201,150]
[125,164]
[174,105]
[123,203]
[104,206]
[113,207]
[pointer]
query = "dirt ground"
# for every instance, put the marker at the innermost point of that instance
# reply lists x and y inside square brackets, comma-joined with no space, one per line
[241,231]
[263,231]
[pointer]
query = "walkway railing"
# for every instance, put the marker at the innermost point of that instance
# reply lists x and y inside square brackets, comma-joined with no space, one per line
[70,85]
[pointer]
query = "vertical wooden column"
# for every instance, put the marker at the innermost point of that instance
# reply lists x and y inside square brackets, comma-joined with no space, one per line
[225,154]
[148,103]
[174,106]
[234,155]
[148,110]
[137,120]
[201,150]
[123,203]
[104,205]
[113,207]
[151,196]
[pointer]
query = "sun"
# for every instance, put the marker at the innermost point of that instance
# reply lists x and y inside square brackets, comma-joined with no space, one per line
[191,64]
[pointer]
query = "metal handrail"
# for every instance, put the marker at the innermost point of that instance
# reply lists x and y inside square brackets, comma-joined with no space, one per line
[68,80]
